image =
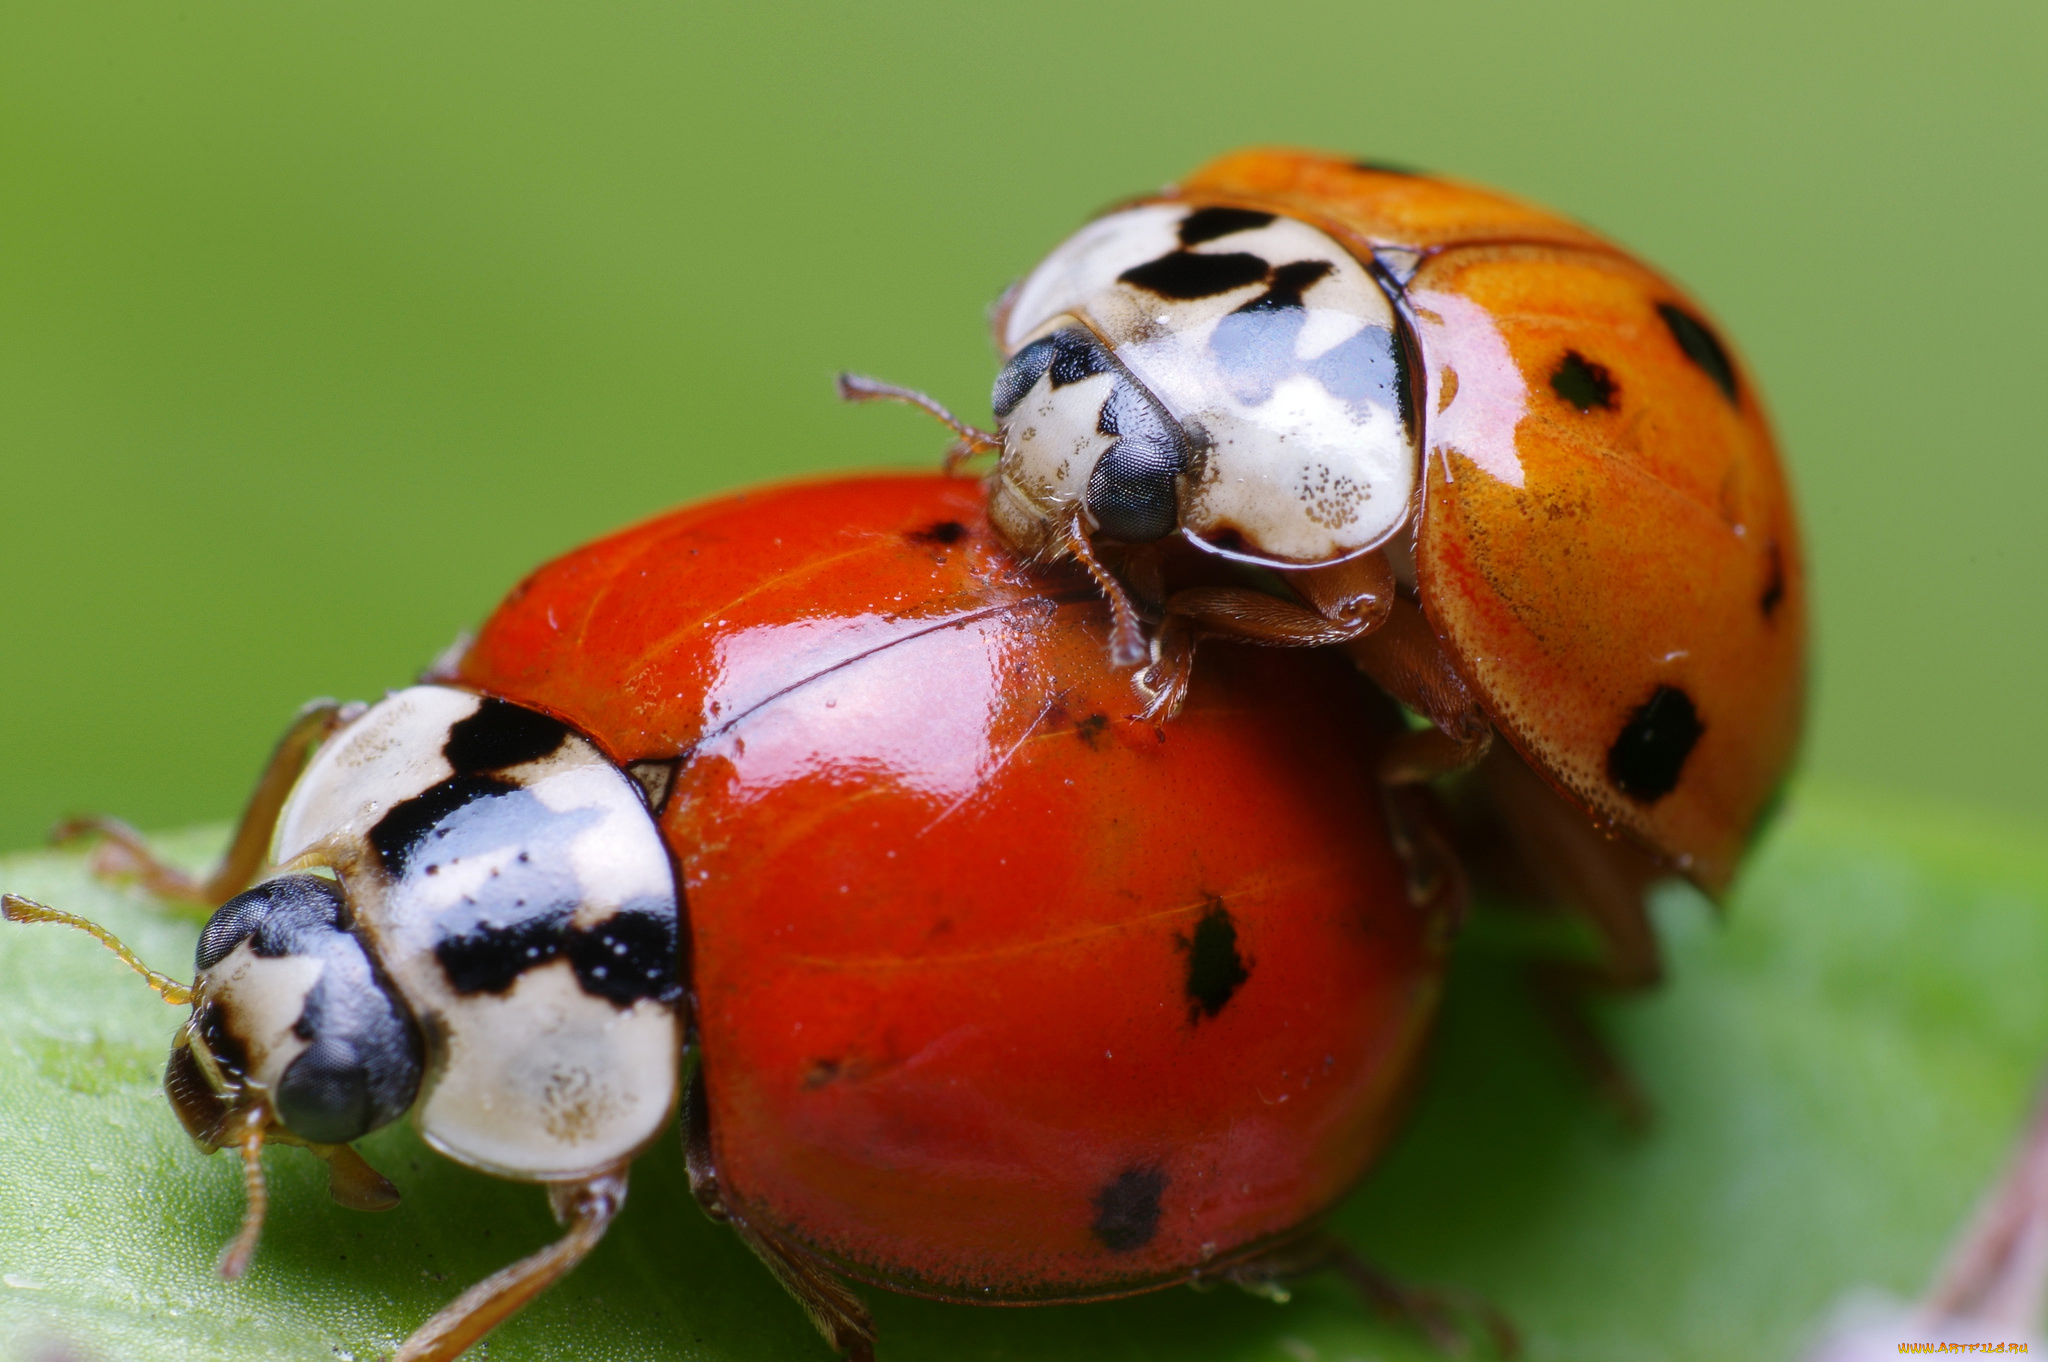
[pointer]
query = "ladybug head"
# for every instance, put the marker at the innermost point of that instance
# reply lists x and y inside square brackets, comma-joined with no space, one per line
[1080,435]
[1231,374]
[289,1012]
[293,1037]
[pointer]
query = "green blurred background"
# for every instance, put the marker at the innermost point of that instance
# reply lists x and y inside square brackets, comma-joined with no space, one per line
[320,324]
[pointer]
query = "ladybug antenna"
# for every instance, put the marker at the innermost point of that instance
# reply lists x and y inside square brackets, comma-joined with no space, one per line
[18,909]
[972,441]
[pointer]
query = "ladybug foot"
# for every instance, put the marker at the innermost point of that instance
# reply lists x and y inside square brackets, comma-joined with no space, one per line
[1453,1321]
[586,1208]
[123,855]
[1164,683]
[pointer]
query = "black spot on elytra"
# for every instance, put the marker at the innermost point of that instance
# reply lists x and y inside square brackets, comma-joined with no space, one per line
[399,834]
[1287,284]
[1774,586]
[1647,759]
[945,532]
[1700,344]
[1385,167]
[499,735]
[1091,729]
[1206,224]
[1582,383]
[1188,274]
[1215,969]
[1127,1209]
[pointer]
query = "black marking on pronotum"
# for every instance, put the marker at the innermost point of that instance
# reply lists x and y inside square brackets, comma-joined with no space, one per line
[1287,284]
[499,735]
[1647,759]
[1188,274]
[1254,344]
[1127,1209]
[491,958]
[629,956]
[1582,383]
[1091,729]
[1215,969]
[1774,585]
[1206,224]
[397,836]
[1700,344]
[945,534]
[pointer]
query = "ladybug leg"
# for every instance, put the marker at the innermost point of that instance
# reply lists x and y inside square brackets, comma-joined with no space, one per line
[124,854]
[834,1310]
[1605,881]
[837,1313]
[587,1207]
[1405,659]
[1345,602]
[1994,1274]
[352,1182]
[1450,1319]
[1127,647]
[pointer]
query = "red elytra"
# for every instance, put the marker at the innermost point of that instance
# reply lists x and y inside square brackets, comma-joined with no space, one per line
[998,995]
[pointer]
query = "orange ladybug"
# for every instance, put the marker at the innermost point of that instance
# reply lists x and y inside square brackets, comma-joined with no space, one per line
[1516,473]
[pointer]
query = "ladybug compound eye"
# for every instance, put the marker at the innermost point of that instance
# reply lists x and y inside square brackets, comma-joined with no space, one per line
[291,1004]
[1078,429]
[1267,388]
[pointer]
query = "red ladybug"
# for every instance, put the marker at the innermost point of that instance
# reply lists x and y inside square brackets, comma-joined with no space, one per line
[994,995]
[1518,473]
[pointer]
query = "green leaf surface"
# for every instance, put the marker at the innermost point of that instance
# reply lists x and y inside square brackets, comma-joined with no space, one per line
[1839,1064]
